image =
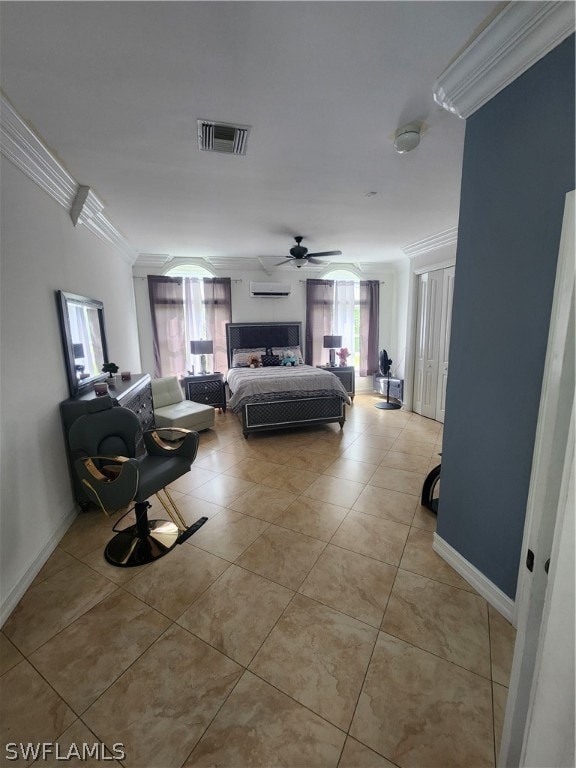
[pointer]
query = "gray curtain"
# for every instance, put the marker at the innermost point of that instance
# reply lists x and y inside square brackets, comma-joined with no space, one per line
[369,326]
[319,318]
[167,311]
[218,306]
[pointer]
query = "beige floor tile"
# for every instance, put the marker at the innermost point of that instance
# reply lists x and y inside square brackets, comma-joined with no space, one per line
[268,450]
[502,639]
[78,747]
[239,447]
[52,605]
[419,710]
[372,536]
[351,583]
[419,557]
[356,755]
[193,507]
[90,530]
[403,445]
[283,556]
[424,518]
[98,563]
[292,480]
[254,470]
[260,726]
[88,656]
[444,620]
[347,469]
[391,505]
[312,517]
[264,503]
[410,462]
[312,462]
[9,654]
[334,490]
[217,461]
[237,612]
[173,582]
[365,453]
[319,657]
[500,697]
[30,710]
[384,439]
[58,560]
[228,534]
[420,435]
[196,477]
[161,705]
[398,480]
[223,489]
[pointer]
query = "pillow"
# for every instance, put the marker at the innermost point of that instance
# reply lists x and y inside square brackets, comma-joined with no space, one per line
[241,357]
[296,352]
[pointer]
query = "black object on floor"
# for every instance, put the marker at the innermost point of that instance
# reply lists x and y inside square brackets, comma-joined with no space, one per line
[385,363]
[430,490]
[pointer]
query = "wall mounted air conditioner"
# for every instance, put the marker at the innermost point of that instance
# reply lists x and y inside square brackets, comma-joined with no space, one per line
[270,290]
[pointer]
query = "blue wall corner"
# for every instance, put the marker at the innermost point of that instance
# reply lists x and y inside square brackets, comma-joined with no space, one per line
[518,167]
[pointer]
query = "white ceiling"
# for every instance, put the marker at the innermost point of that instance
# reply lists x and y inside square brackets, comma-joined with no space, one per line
[116,89]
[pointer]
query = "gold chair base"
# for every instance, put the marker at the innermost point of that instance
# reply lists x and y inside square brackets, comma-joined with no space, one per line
[129,548]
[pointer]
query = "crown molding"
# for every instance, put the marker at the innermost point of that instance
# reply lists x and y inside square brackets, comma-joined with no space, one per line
[432,243]
[517,38]
[20,145]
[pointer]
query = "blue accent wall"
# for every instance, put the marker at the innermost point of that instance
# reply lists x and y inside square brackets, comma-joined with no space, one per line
[518,167]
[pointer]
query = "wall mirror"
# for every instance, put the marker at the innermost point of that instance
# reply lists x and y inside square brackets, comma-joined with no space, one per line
[83,339]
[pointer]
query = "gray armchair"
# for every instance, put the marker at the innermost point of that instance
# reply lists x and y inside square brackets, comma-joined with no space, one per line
[103,445]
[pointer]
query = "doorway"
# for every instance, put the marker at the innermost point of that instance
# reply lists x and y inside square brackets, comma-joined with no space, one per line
[433,324]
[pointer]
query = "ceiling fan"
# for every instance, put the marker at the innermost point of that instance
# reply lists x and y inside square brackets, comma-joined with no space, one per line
[299,255]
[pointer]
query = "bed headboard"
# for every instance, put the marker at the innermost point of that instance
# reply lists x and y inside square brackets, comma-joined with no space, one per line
[254,335]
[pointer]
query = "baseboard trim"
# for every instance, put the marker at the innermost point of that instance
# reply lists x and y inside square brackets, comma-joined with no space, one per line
[16,593]
[489,591]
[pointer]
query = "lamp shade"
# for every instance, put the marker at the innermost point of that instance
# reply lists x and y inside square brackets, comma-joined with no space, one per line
[201,347]
[78,351]
[330,342]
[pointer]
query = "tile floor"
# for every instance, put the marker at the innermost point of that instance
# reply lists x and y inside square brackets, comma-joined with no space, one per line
[308,623]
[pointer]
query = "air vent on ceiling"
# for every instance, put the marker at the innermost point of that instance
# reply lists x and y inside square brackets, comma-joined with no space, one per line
[222,137]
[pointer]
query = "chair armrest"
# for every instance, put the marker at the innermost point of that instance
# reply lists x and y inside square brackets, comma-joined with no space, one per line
[161,442]
[112,485]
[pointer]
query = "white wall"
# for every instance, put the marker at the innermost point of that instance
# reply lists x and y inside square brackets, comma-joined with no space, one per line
[42,252]
[246,308]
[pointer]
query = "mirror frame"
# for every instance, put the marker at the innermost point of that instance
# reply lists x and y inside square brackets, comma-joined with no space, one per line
[76,386]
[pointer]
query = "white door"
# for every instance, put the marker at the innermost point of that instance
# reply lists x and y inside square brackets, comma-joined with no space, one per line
[539,723]
[444,345]
[435,290]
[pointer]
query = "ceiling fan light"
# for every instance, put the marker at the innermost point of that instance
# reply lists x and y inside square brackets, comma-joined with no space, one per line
[407,138]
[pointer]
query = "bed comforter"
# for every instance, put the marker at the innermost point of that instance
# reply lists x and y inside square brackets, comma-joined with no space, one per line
[258,385]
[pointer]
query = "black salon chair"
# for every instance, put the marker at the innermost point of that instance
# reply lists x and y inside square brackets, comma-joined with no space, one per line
[103,445]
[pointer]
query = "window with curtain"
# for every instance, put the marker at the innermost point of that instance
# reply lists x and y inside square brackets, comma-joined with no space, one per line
[344,307]
[185,309]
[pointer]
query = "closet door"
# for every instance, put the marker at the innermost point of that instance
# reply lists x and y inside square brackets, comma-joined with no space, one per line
[432,342]
[444,345]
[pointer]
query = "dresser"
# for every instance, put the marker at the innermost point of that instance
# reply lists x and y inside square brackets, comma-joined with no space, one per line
[135,394]
[207,389]
[346,375]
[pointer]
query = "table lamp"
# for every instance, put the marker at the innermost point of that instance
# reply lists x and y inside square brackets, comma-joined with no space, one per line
[202,347]
[331,342]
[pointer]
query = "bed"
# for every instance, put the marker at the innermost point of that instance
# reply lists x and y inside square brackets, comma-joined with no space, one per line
[284,396]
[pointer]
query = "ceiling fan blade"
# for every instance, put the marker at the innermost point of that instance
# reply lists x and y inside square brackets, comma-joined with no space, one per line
[326,253]
[310,260]
[283,262]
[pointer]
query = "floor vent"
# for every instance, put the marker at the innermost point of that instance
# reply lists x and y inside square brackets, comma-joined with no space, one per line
[222,137]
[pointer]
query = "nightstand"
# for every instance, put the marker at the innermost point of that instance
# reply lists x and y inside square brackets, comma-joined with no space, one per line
[207,389]
[346,375]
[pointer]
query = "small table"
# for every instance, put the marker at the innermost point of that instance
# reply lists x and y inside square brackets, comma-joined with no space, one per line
[207,389]
[346,375]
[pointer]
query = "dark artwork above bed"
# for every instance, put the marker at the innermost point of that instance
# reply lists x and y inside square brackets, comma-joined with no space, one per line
[265,335]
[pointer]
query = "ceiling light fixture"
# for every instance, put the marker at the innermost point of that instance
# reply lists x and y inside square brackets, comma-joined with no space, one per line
[407,138]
